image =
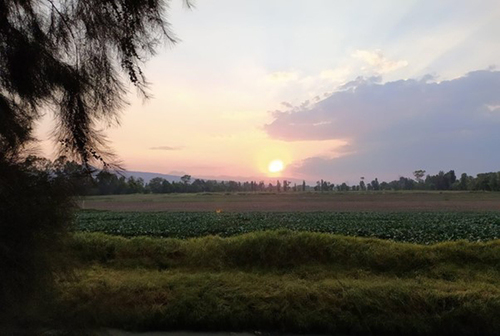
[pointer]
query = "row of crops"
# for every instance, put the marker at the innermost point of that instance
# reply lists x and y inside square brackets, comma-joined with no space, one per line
[422,228]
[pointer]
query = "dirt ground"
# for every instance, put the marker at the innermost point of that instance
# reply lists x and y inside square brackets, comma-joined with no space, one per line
[285,202]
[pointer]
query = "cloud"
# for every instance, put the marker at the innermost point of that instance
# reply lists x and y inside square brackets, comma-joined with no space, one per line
[378,61]
[310,85]
[337,74]
[400,126]
[303,84]
[166,148]
[283,76]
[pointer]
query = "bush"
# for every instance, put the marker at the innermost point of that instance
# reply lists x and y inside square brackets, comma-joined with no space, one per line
[35,210]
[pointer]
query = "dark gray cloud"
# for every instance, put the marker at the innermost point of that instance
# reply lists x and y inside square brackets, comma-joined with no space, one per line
[396,127]
[166,148]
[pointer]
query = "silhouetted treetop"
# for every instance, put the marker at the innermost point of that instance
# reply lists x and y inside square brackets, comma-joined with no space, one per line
[73,57]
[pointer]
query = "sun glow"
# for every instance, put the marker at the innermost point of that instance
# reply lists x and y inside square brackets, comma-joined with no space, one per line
[275,166]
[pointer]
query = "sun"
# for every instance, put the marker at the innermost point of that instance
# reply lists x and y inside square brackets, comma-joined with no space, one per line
[275,166]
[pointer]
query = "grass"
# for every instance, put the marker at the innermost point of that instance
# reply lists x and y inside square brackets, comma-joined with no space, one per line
[285,281]
[282,250]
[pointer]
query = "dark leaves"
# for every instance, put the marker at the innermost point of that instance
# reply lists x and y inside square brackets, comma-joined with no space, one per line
[68,56]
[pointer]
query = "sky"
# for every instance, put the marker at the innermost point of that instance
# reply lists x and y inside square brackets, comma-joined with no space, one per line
[336,90]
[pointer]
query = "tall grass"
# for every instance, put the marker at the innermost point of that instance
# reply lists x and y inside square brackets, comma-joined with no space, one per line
[282,250]
[288,282]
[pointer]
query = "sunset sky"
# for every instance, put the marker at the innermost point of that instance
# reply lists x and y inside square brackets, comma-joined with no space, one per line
[334,89]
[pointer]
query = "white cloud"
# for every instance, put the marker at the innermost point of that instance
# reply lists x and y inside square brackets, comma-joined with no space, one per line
[337,74]
[283,76]
[378,61]
[302,85]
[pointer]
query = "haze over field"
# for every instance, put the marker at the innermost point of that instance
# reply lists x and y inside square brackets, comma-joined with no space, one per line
[333,90]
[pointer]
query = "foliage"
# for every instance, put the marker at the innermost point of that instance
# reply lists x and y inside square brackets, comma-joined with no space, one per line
[421,228]
[105,182]
[35,211]
[286,281]
[285,250]
[69,57]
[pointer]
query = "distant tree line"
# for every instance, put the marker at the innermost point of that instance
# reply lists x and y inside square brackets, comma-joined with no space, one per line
[440,181]
[108,183]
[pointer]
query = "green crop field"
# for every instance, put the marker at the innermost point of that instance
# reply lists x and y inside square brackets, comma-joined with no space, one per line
[413,264]
[422,228]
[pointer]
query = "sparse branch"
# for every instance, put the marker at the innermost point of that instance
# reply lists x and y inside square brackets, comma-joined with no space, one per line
[82,85]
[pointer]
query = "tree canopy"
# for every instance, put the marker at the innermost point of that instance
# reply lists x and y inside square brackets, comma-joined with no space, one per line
[74,58]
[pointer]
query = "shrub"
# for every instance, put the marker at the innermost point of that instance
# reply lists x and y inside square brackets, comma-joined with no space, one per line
[35,211]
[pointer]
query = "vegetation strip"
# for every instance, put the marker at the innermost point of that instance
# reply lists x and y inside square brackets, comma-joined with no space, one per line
[283,250]
[421,228]
[285,281]
[154,300]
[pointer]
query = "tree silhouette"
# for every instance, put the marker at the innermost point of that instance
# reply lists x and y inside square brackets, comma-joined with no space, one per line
[186,179]
[419,175]
[75,59]
[69,56]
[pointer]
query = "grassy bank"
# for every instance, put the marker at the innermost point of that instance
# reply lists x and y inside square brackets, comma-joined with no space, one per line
[286,281]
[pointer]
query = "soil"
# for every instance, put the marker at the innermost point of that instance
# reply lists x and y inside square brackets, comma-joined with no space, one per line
[425,201]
